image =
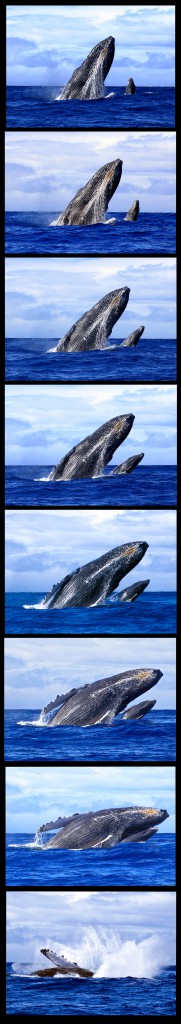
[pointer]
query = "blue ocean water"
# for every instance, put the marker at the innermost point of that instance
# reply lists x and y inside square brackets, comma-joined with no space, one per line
[147,485]
[152,738]
[81,996]
[30,359]
[150,863]
[36,107]
[152,613]
[31,233]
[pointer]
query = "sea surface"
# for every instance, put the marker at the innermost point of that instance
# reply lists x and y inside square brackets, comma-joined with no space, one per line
[153,613]
[31,233]
[31,359]
[152,738]
[145,486]
[81,996]
[131,864]
[36,107]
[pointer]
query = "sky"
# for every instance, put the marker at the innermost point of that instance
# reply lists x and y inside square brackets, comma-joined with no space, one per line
[37,795]
[37,669]
[44,297]
[43,546]
[88,924]
[39,429]
[46,43]
[44,170]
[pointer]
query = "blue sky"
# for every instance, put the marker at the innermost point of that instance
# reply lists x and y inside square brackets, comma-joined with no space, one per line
[37,669]
[39,429]
[43,546]
[45,296]
[37,795]
[91,925]
[44,170]
[46,43]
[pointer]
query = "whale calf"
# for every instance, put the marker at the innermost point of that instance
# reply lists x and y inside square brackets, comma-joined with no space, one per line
[130,87]
[139,710]
[134,211]
[87,81]
[90,203]
[94,582]
[89,457]
[133,338]
[128,466]
[95,326]
[99,703]
[131,593]
[63,966]
[103,828]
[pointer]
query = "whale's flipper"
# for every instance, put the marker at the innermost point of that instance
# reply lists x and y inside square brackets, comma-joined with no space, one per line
[132,339]
[130,88]
[128,466]
[134,211]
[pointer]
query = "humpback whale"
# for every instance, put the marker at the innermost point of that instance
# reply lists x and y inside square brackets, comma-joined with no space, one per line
[105,828]
[87,81]
[99,703]
[139,710]
[134,211]
[133,338]
[131,593]
[130,88]
[95,326]
[90,203]
[128,466]
[94,582]
[63,966]
[89,457]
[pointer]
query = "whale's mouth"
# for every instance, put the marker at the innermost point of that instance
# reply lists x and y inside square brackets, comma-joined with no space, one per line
[143,827]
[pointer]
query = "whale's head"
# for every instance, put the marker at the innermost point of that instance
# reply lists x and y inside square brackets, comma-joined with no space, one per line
[87,81]
[134,683]
[102,56]
[136,821]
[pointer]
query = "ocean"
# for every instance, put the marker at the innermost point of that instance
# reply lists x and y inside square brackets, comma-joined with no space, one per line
[36,107]
[153,613]
[153,359]
[81,996]
[152,738]
[145,486]
[31,233]
[131,864]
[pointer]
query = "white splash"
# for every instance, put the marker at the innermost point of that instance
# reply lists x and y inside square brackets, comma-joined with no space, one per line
[108,956]
[41,606]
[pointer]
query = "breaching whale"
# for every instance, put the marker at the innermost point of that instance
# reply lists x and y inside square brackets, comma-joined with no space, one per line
[133,338]
[90,203]
[87,81]
[62,966]
[131,593]
[139,710]
[95,326]
[130,87]
[94,582]
[105,828]
[89,457]
[99,703]
[128,466]
[134,211]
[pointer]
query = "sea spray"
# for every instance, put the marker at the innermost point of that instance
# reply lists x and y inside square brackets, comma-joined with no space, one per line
[108,956]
